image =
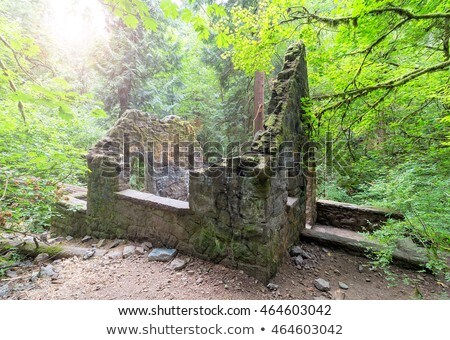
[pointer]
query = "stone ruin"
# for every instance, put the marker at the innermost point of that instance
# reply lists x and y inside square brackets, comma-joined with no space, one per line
[149,180]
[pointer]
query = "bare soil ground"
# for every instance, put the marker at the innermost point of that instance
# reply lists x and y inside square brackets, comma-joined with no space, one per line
[101,278]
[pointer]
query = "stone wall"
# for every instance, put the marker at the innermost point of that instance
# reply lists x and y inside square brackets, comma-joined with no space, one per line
[353,217]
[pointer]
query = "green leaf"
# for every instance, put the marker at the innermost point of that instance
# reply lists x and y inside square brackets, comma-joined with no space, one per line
[169,9]
[131,21]
[150,23]
[222,41]
[186,15]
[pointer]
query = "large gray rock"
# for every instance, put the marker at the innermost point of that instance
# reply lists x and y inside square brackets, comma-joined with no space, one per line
[322,285]
[162,254]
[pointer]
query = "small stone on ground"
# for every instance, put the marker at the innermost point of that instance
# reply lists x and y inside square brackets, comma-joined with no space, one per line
[4,290]
[177,264]
[272,286]
[162,254]
[69,238]
[88,253]
[296,250]
[115,243]
[140,250]
[322,285]
[42,257]
[298,260]
[147,245]
[342,285]
[11,274]
[86,238]
[47,271]
[128,251]
[114,255]
[101,243]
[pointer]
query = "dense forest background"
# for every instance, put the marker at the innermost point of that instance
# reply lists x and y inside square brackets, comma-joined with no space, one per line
[379,84]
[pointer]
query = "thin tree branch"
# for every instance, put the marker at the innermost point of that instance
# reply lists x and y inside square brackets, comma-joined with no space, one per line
[14,89]
[353,94]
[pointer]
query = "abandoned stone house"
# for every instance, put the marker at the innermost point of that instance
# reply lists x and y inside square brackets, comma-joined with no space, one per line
[150,180]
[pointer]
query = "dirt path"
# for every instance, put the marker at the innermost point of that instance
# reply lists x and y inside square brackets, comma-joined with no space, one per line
[137,278]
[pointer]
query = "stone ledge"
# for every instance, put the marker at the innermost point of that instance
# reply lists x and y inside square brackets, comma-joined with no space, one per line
[353,217]
[361,208]
[406,255]
[74,203]
[155,202]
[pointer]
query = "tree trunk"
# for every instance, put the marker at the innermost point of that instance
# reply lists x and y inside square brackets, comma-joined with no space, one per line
[258,116]
[124,91]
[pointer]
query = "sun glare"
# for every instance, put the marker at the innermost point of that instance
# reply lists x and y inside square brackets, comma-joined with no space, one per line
[76,23]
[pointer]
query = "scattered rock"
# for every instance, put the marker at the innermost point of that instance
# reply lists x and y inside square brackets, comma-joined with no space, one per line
[48,270]
[325,250]
[342,285]
[199,280]
[420,277]
[42,257]
[4,290]
[140,251]
[101,243]
[69,238]
[367,279]
[57,261]
[11,274]
[147,245]
[58,239]
[322,285]
[360,268]
[296,250]
[88,253]
[44,236]
[115,244]
[177,264]
[272,286]
[298,260]
[128,251]
[86,239]
[34,276]
[191,272]
[114,255]
[162,254]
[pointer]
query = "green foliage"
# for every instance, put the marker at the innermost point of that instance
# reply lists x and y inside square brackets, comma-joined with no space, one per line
[46,127]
